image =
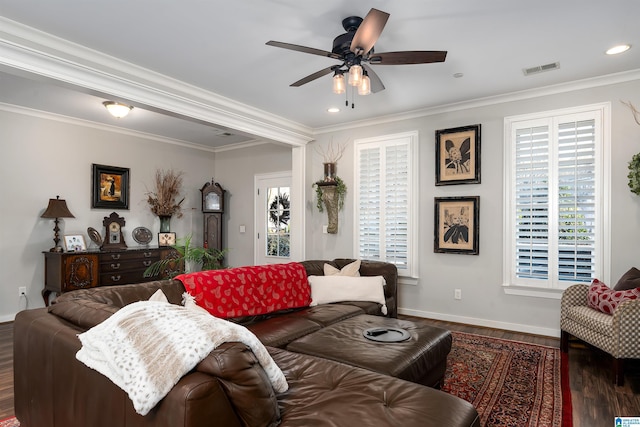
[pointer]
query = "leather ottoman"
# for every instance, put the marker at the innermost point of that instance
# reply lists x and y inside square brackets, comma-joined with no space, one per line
[420,359]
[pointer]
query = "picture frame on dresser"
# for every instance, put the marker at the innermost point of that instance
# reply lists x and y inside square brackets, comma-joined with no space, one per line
[167,239]
[110,187]
[457,225]
[458,155]
[74,243]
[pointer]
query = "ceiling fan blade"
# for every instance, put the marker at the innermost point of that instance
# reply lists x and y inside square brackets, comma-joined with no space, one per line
[408,57]
[303,49]
[369,31]
[376,83]
[314,76]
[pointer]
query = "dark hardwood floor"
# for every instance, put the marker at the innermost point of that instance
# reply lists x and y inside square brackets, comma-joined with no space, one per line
[596,401]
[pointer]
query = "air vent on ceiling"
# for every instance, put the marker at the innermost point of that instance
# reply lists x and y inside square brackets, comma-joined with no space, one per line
[540,68]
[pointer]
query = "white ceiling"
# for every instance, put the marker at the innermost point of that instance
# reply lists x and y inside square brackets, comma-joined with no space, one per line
[219,47]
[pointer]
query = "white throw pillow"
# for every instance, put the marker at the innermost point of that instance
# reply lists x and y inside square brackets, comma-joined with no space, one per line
[328,289]
[159,296]
[351,269]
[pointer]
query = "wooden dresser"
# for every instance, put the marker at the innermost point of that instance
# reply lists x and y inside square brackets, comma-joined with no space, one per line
[68,271]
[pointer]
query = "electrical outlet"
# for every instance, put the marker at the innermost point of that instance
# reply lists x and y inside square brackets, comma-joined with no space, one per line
[324,229]
[22,290]
[457,294]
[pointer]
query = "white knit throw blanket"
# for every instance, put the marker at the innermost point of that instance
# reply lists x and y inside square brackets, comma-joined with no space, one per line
[146,347]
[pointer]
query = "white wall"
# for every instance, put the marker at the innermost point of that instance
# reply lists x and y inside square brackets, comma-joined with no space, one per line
[480,277]
[42,158]
[235,171]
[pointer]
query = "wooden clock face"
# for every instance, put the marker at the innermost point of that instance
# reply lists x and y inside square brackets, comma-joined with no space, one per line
[212,198]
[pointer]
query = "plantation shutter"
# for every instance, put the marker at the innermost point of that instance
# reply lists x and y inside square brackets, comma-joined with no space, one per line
[384,201]
[396,204]
[576,200]
[532,202]
[369,204]
[555,212]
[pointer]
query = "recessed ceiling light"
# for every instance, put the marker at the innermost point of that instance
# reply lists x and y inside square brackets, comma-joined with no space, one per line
[618,49]
[458,75]
[333,110]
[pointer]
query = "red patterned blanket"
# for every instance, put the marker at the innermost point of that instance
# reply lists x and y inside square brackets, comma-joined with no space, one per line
[249,291]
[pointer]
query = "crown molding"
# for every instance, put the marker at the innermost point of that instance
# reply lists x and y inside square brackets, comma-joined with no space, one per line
[37,53]
[589,83]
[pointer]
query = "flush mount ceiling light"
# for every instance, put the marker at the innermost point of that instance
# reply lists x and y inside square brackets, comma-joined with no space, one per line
[116,109]
[618,49]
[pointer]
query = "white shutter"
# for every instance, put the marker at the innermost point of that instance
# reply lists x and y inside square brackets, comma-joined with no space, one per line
[369,204]
[554,218]
[384,200]
[532,202]
[576,201]
[396,204]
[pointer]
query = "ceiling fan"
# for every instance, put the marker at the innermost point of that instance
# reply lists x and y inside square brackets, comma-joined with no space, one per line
[355,50]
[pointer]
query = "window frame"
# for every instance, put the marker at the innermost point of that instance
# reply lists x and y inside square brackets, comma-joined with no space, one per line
[551,287]
[410,274]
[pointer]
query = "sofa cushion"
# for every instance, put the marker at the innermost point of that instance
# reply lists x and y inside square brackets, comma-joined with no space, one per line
[249,291]
[328,289]
[590,320]
[629,280]
[352,269]
[245,383]
[278,331]
[606,300]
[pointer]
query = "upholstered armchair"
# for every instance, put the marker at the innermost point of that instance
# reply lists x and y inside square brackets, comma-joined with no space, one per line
[617,334]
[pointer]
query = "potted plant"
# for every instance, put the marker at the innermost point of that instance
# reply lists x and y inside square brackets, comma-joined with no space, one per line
[189,257]
[162,200]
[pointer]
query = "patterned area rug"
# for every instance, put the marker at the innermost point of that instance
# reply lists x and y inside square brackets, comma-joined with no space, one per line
[511,384]
[9,422]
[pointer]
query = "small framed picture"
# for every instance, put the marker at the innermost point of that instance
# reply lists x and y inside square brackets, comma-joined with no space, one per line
[110,187]
[458,155]
[74,243]
[167,239]
[457,225]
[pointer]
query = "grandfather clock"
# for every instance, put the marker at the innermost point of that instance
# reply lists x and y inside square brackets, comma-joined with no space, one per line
[212,209]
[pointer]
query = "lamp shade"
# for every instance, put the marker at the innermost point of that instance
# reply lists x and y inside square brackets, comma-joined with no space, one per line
[365,86]
[57,209]
[355,75]
[117,110]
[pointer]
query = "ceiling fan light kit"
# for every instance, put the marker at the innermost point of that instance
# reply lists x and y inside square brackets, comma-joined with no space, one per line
[355,49]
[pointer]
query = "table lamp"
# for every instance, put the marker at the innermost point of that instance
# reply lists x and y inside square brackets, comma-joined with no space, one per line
[57,209]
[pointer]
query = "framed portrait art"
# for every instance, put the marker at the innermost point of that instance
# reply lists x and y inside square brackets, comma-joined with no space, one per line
[110,187]
[458,155]
[457,225]
[167,239]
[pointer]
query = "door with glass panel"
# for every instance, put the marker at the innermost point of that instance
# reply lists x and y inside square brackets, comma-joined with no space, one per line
[273,218]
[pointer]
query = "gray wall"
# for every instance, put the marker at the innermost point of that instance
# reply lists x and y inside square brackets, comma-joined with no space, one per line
[235,170]
[42,158]
[480,277]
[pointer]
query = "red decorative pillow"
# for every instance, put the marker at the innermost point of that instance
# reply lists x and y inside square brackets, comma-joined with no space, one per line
[249,291]
[606,300]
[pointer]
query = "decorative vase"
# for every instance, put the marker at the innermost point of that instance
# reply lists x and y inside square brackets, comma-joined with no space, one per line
[330,199]
[329,172]
[165,223]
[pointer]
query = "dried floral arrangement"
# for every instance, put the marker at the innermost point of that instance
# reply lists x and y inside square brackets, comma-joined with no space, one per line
[162,200]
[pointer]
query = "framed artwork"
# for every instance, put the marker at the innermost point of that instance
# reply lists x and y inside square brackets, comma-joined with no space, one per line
[457,225]
[167,239]
[110,188]
[458,155]
[74,243]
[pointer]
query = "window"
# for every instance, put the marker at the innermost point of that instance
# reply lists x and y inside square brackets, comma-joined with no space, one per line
[386,204]
[555,202]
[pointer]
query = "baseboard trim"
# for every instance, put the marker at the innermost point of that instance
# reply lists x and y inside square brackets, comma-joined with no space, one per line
[515,327]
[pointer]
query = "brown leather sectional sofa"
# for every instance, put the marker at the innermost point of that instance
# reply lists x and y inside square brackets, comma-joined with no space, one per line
[228,388]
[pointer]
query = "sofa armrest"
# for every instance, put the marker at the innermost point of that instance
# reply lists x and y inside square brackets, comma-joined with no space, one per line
[574,295]
[51,387]
[625,329]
